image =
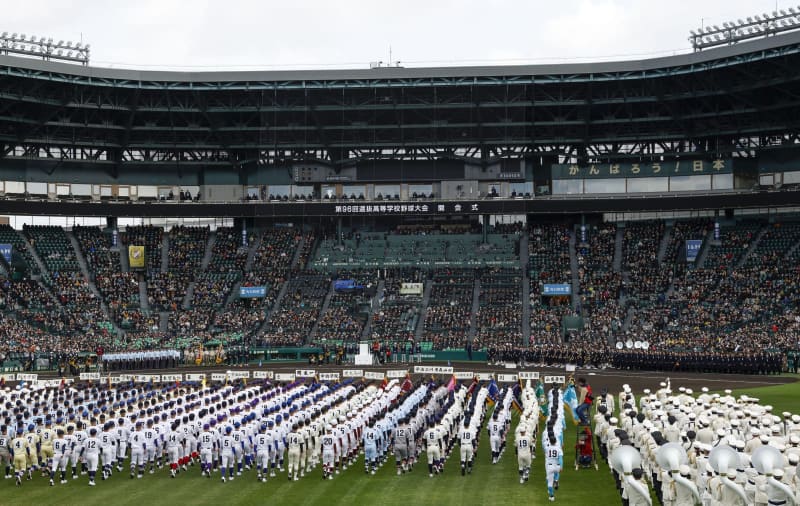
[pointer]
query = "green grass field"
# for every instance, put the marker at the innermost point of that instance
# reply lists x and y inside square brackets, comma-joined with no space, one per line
[489,484]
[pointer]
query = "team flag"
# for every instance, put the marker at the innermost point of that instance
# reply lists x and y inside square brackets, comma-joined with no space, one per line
[451,385]
[407,384]
[492,393]
[571,401]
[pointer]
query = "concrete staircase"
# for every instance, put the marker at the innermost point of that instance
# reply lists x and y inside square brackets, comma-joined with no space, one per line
[325,304]
[620,236]
[473,317]
[143,302]
[124,264]
[85,271]
[251,253]
[187,299]
[526,288]
[165,253]
[573,266]
[278,299]
[35,256]
[209,252]
[374,307]
[752,247]
[701,258]
[426,300]
[662,247]
[163,321]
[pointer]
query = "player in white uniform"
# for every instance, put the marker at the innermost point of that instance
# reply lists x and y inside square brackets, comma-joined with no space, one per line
[524,445]
[123,434]
[263,446]
[294,443]
[138,450]
[228,452]
[370,448]
[330,448]
[61,451]
[553,461]
[433,441]
[80,437]
[174,448]
[91,452]
[151,438]
[401,436]
[108,448]
[207,442]
[495,429]
[466,437]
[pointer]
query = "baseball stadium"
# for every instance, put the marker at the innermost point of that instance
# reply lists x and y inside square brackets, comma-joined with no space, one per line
[571,282]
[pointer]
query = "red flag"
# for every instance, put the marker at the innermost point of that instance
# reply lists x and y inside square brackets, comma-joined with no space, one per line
[63,384]
[384,383]
[407,384]
[472,386]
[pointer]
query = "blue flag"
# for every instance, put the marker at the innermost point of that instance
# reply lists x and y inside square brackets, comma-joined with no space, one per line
[493,391]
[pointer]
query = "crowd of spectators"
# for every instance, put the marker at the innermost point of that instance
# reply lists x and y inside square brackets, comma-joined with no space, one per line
[499,318]
[447,317]
[291,322]
[398,314]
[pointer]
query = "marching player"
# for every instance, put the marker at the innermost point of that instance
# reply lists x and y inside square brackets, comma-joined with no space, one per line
[523,447]
[330,447]
[467,439]
[5,451]
[108,442]
[123,434]
[263,448]
[400,437]
[370,448]
[553,460]
[151,441]
[495,429]
[80,437]
[91,452]
[138,450]
[34,445]
[61,453]
[228,452]
[174,448]
[21,453]
[294,441]
[46,437]
[433,445]
[207,442]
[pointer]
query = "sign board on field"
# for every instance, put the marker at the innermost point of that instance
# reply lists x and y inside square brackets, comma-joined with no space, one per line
[555,379]
[195,377]
[397,373]
[218,376]
[263,374]
[90,376]
[238,374]
[116,380]
[372,375]
[432,369]
[506,378]
[284,376]
[127,377]
[353,373]
[27,377]
[329,376]
[305,373]
[464,375]
[528,375]
[171,378]
[484,376]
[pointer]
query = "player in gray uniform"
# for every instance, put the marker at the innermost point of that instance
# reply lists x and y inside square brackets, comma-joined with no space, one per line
[401,437]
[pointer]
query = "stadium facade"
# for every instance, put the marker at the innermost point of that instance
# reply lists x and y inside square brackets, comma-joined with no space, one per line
[502,200]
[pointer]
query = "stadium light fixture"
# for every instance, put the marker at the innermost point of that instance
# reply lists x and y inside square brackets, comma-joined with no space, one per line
[42,47]
[757,25]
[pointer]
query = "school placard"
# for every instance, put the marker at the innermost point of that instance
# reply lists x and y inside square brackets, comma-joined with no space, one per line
[329,376]
[555,379]
[432,369]
[353,373]
[528,375]
[89,376]
[263,374]
[397,373]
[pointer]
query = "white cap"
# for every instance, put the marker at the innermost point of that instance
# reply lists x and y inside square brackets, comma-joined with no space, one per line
[777,473]
[684,470]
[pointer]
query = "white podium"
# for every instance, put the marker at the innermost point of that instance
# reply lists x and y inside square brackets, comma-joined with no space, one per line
[364,357]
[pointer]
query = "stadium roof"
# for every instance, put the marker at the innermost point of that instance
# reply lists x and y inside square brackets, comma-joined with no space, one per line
[728,101]
[101,76]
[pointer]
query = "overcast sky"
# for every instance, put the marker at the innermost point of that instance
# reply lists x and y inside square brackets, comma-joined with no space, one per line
[205,34]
